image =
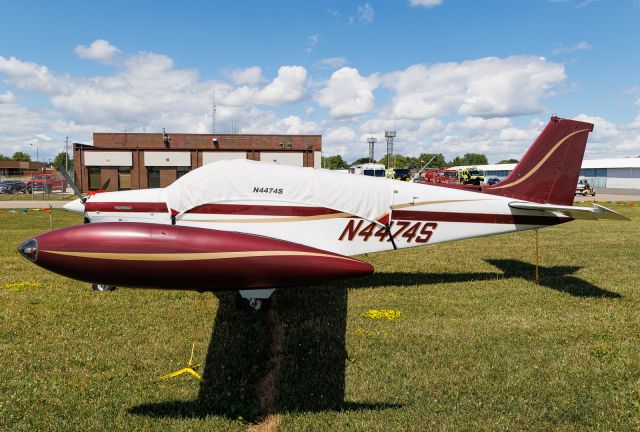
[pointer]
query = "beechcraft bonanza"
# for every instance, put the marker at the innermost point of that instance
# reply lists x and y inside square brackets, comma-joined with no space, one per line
[255,227]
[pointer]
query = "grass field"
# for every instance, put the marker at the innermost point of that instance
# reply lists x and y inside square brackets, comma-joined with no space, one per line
[37,196]
[478,345]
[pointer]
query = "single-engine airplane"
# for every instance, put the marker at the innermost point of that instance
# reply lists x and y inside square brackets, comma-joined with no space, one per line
[254,227]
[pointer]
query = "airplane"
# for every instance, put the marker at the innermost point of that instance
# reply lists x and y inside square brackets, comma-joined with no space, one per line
[255,227]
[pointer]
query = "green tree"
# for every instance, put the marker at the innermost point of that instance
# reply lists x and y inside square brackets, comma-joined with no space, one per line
[475,159]
[360,161]
[21,157]
[400,161]
[437,162]
[60,160]
[469,159]
[3,157]
[508,161]
[334,163]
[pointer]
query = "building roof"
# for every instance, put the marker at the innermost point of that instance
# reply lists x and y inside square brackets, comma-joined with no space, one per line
[594,163]
[11,164]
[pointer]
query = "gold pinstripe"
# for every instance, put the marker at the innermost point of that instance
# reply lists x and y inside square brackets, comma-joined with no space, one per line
[542,161]
[420,203]
[196,256]
[317,217]
[271,220]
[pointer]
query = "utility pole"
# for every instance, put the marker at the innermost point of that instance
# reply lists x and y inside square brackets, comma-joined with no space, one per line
[66,154]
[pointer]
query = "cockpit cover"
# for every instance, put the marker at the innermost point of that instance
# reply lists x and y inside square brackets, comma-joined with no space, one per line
[244,180]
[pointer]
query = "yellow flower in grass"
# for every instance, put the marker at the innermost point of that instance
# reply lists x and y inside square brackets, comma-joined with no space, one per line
[18,286]
[388,314]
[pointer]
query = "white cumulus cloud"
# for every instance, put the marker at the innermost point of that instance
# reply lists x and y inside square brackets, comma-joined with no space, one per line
[347,93]
[29,76]
[288,86]
[251,75]
[487,87]
[99,49]
[7,97]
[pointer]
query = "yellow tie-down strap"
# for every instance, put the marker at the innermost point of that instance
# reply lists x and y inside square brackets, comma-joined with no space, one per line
[190,369]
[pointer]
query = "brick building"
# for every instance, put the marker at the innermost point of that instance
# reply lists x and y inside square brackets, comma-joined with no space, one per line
[12,168]
[147,160]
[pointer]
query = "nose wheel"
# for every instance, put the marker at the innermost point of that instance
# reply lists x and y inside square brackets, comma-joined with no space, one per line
[103,287]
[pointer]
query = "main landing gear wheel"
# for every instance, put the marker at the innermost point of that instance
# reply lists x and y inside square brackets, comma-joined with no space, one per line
[253,300]
[103,287]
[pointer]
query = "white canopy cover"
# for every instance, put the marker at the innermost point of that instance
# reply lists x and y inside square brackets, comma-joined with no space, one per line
[245,180]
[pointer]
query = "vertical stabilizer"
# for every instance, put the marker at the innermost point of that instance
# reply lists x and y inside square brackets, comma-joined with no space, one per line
[549,170]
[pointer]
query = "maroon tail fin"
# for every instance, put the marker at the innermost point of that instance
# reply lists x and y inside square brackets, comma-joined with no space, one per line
[549,170]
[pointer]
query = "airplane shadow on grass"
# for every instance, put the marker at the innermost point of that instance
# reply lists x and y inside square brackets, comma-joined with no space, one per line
[292,358]
[559,278]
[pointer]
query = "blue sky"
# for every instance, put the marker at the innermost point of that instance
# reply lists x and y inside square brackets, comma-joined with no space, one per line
[451,76]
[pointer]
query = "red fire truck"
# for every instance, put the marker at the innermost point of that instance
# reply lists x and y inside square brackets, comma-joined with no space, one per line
[441,176]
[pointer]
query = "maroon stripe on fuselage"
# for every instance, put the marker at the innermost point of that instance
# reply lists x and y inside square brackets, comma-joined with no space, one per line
[260,210]
[478,218]
[136,207]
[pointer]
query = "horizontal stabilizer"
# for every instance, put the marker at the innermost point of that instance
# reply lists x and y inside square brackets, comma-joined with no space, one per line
[593,213]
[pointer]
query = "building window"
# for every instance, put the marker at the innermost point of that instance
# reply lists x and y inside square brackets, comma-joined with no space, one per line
[153,177]
[124,178]
[182,170]
[94,178]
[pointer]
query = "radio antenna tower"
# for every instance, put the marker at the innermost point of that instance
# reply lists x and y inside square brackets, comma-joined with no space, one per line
[372,142]
[390,135]
[213,114]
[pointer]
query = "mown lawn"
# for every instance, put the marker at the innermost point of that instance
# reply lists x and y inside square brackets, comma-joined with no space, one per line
[38,196]
[478,345]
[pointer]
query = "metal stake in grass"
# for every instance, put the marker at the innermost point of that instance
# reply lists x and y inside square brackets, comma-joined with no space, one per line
[191,367]
[537,260]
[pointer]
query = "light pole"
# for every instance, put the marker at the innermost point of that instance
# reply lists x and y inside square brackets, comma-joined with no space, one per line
[37,154]
[66,154]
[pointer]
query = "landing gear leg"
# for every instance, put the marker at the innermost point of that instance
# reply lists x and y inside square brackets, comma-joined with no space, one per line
[254,300]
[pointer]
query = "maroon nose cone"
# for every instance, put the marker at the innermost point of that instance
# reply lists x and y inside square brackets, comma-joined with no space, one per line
[29,250]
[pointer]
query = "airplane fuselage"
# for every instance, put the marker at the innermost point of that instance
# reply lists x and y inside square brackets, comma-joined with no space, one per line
[419,215]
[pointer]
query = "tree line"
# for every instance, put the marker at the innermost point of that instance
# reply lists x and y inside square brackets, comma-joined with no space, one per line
[24,157]
[417,162]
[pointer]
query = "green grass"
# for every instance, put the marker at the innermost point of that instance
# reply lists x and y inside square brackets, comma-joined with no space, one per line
[479,345]
[37,196]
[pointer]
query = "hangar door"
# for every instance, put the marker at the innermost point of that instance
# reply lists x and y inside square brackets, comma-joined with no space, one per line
[627,178]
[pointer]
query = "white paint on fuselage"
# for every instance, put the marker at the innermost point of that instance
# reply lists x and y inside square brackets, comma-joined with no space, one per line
[324,233]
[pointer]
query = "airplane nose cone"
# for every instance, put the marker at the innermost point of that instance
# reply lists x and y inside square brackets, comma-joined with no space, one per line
[29,250]
[76,206]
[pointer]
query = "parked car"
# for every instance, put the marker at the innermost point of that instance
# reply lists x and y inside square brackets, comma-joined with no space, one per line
[46,182]
[14,187]
[493,180]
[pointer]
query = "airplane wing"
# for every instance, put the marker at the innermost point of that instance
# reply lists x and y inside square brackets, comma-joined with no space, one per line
[591,213]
